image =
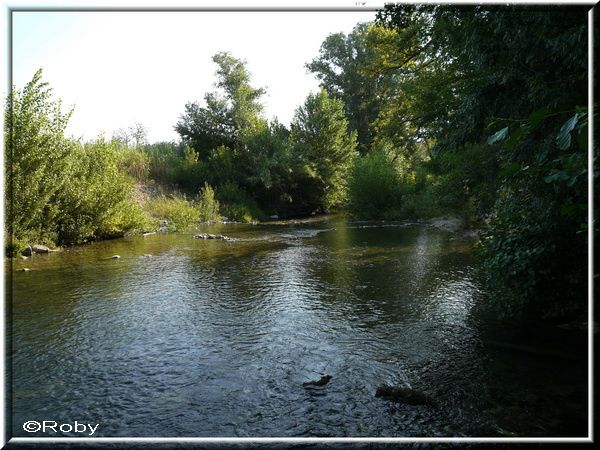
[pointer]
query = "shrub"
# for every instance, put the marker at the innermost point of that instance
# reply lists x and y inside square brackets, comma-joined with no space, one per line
[134,162]
[60,191]
[374,187]
[208,206]
[180,212]
[238,205]
[97,200]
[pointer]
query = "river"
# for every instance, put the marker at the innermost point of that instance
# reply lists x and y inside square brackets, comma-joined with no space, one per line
[216,338]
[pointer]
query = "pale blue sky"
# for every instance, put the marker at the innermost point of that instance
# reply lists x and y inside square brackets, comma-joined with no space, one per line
[118,68]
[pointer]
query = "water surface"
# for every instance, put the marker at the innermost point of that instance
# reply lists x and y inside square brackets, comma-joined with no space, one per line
[215,338]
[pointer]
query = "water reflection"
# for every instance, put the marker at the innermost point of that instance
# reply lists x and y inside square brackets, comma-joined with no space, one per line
[214,338]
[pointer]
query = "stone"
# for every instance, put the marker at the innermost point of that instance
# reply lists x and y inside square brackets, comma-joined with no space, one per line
[320,382]
[404,395]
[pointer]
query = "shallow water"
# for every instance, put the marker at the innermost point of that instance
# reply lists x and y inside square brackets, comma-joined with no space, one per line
[216,338]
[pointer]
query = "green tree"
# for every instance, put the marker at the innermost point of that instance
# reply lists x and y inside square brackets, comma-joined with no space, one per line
[60,191]
[227,119]
[326,147]
[515,79]
[342,67]
[38,157]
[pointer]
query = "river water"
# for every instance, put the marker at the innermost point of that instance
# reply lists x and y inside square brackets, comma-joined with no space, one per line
[216,338]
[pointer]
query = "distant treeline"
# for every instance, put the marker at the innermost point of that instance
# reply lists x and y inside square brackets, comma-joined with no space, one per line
[477,111]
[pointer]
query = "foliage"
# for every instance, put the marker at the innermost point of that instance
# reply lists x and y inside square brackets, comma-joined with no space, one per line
[326,147]
[133,161]
[96,203]
[59,191]
[238,205]
[342,68]
[500,121]
[374,187]
[225,120]
[177,210]
[208,205]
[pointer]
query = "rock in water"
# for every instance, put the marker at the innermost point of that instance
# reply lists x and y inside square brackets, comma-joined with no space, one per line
[115,257]
[40,249]
[404,395]
[212,236]
[320,382]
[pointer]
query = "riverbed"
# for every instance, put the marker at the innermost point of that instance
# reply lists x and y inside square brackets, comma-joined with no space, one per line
[193,337]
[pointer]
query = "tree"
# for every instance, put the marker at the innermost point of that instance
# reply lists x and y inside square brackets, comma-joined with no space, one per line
[60,191]
[37,160]
[227,119]
[515,86]
[341,67]
[139,134]
[326,147]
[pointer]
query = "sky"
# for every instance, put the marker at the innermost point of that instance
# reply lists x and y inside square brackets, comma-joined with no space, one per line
[118,68]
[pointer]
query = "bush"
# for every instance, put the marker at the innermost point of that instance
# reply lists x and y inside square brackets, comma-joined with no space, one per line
[134,162]
[208,205]
[374,187]
[97,200]
[238,205]
[59,191]
[178,211]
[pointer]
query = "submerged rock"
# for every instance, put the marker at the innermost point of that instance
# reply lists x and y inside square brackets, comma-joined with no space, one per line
[30,250]
[320,382]
[404,395]
[212,236]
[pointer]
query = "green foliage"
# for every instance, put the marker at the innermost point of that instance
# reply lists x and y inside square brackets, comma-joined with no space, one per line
[326,147]
[177,210]
[375,186]
[37,160]
[208,206]
[96,202]
[58,190]
[506,135]
[342,67]
[134,161]
[238,205]
[225,120]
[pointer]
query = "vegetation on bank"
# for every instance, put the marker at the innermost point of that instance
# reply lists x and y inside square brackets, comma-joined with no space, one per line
[478,111]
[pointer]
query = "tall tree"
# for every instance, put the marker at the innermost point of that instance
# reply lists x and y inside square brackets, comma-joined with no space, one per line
[341,67]
[512,122]
[327,148]
[227,118]
[37,159]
